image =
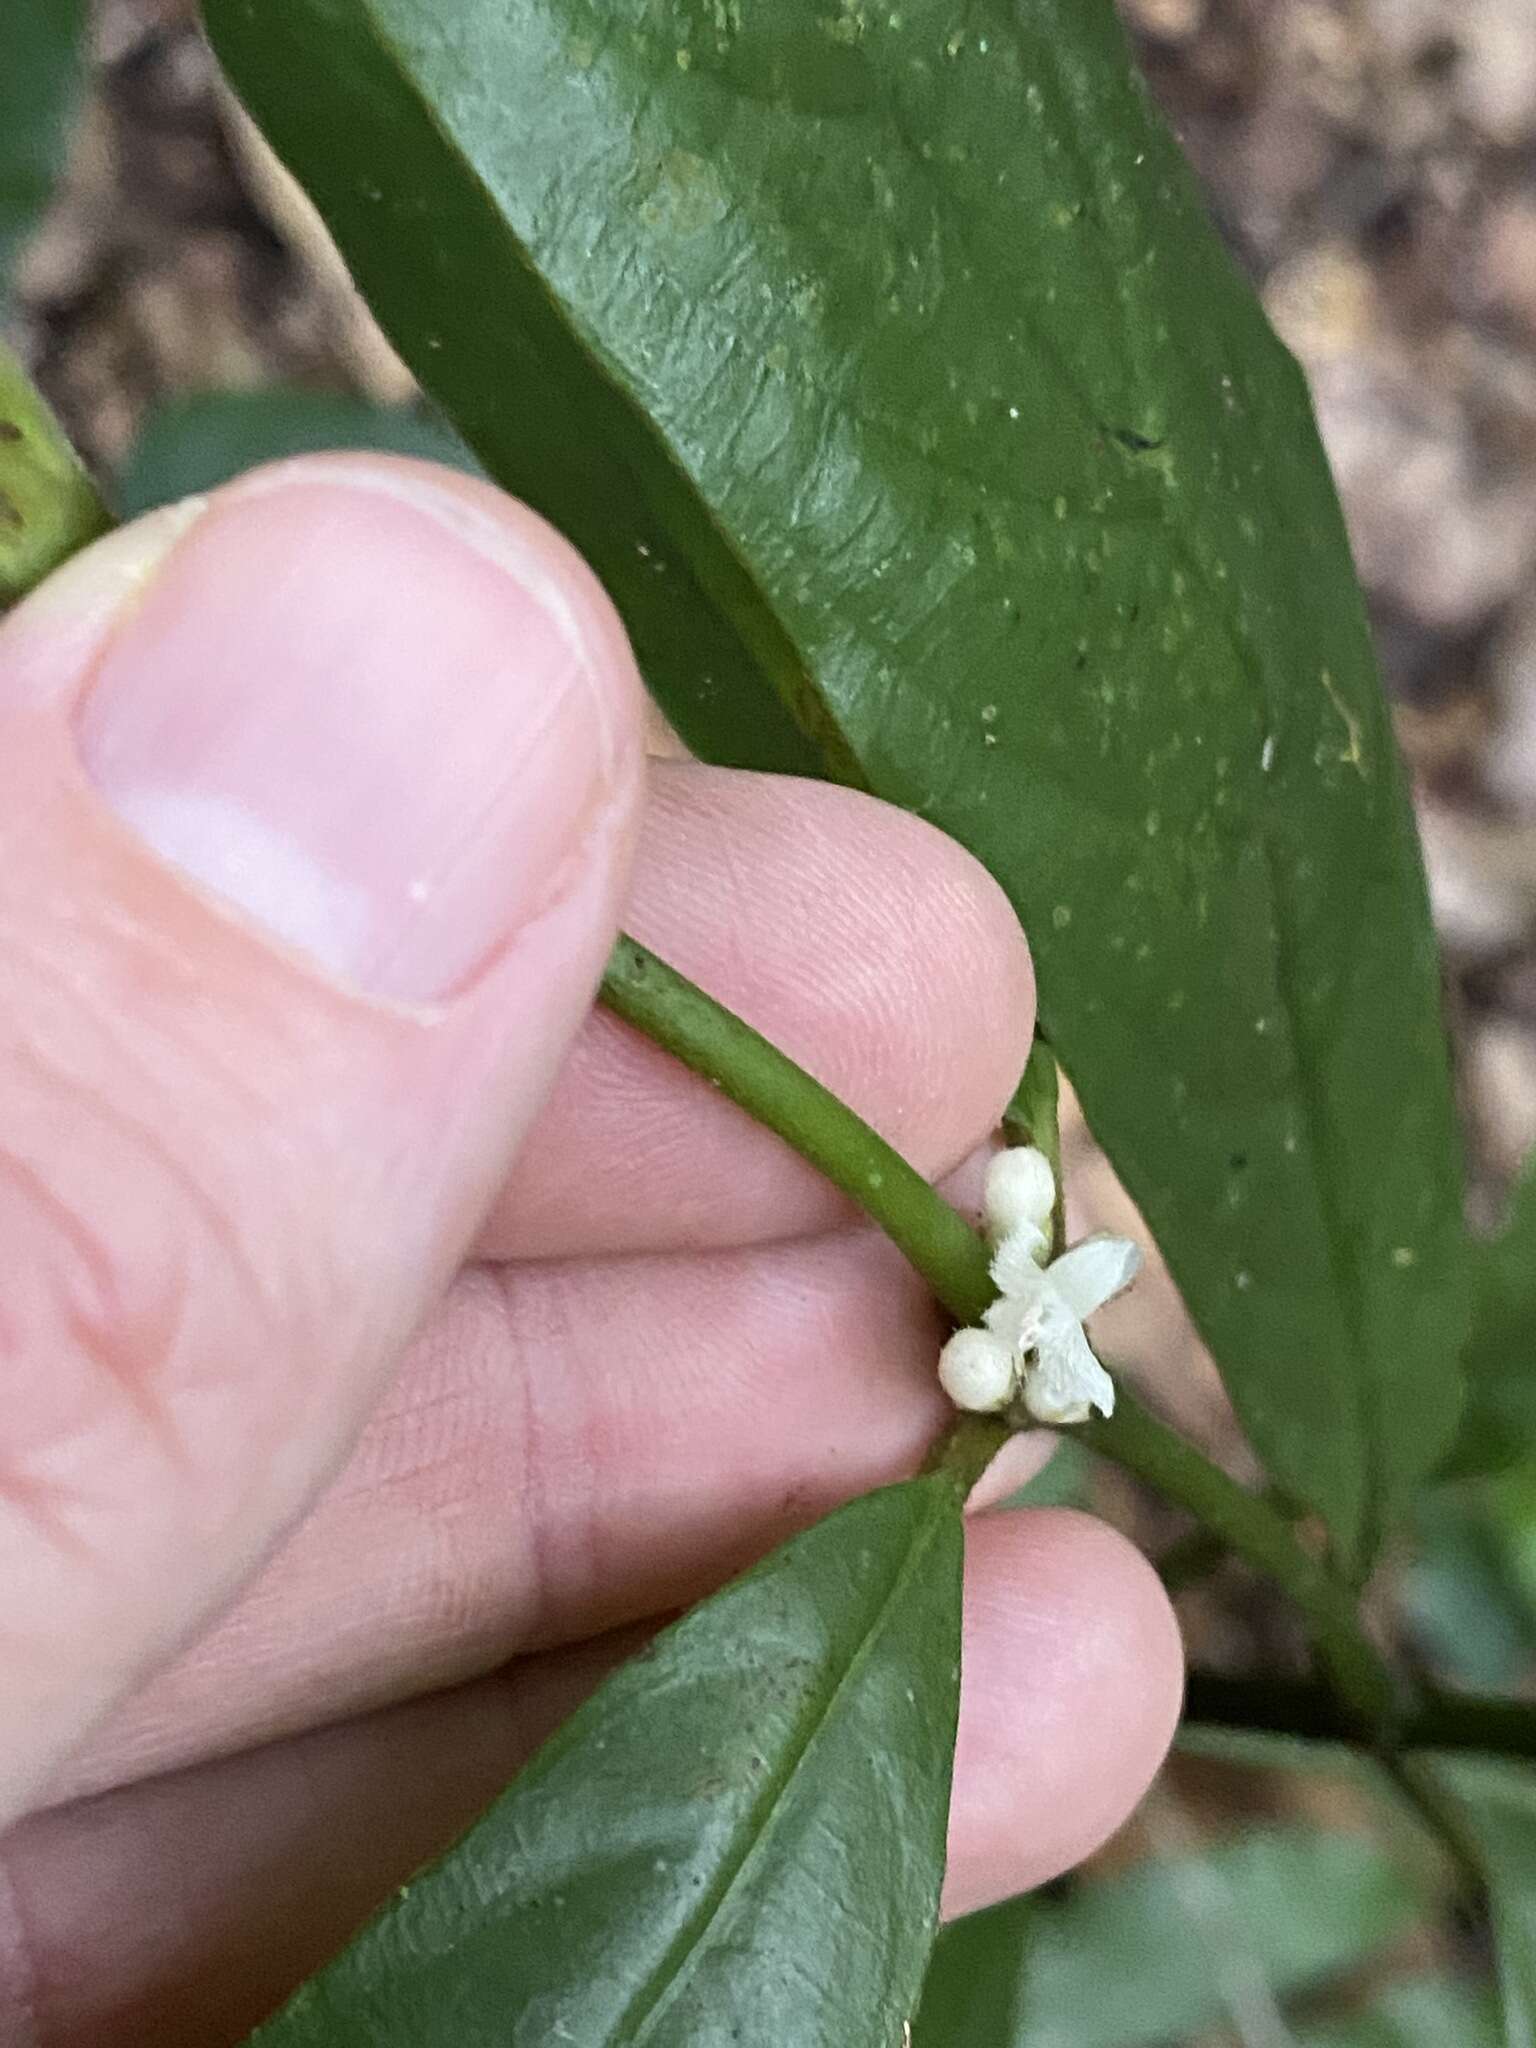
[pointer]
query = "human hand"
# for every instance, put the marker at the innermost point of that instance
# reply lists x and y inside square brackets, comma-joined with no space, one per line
[258,1128]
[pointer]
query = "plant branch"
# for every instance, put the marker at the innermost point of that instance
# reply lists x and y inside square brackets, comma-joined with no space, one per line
[742,1064]
[1313,1713]
[1193,1558]
[1416,1784]
[954,1260]
[1248,1525]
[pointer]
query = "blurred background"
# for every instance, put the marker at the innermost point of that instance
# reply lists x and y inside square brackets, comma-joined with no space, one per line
[1372,164]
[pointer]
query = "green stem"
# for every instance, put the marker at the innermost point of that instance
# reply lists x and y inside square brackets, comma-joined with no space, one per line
[1194,1557]
[1418,1786]
[1199,1553]
[659,1001]
[1301,1710]
[1441,1722]
[954,1261]
[1247,1524]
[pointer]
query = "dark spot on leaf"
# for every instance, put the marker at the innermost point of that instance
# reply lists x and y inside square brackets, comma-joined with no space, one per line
[9,431]
[1238,1161]
[10,511]
[1138,444]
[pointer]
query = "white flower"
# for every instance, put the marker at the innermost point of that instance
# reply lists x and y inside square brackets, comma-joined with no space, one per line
[1032,1343]
[1040,1313]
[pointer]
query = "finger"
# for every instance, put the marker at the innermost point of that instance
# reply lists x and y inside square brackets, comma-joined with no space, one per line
[567,1449]
[270,1861]
[1074,1677]
[208,1949]
[868,946]
[316,802]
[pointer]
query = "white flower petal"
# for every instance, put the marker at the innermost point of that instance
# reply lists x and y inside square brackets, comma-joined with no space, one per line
[1066,1381]
[1019,1312]
[1093,1272]
[978,1371]
[1020,1188]
[1018,1262]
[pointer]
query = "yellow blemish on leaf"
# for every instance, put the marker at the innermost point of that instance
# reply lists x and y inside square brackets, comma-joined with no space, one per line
[1353,755]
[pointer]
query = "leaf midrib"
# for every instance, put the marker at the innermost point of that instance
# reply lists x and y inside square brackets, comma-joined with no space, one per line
[787,677]
[671,1974]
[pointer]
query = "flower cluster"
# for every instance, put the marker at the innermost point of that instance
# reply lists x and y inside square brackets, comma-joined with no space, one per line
[1031,1345]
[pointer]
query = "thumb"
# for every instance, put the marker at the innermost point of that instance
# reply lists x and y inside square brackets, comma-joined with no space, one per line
[316,801]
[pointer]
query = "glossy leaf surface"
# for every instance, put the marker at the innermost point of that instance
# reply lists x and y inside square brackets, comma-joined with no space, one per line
[883,362]
[740,1837]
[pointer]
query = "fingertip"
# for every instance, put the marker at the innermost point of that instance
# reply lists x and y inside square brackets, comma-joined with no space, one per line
[1071,1689]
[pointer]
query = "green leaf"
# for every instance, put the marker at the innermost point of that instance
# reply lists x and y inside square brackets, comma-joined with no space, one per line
[741,1837]
[1167,1949]
[1462,1587]
[1427,2012]
[40,81]
[193,444]
[1497,1802]
[1065,1482]
[1500,1422]
[882,360]
[974,1993]
[542,417]
[48,505]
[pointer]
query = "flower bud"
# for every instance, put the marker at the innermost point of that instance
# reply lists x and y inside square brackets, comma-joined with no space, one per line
[1020,1190]
[977,1371]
